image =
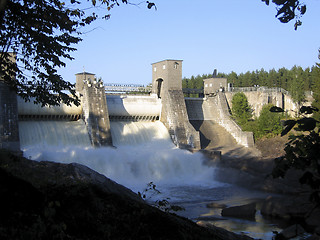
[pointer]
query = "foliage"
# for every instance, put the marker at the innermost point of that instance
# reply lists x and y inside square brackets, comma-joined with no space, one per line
[302,152]
[164,204]
[316,90]
[288,10]
[41,33]
[281,78]
[269,122]
[241,110]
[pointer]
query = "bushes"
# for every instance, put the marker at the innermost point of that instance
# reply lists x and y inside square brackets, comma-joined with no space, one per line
[268,124]
[241,110]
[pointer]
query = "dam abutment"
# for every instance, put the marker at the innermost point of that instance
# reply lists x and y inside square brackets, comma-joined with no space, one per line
[95,109]
[167,85]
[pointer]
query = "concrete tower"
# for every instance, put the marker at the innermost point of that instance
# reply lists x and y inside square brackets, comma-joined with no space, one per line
[95,109]
[167,84]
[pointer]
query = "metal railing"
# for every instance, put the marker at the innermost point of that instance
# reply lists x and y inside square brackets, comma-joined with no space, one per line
[258,89]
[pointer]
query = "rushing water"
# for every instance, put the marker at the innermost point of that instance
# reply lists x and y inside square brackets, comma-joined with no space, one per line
[143,153]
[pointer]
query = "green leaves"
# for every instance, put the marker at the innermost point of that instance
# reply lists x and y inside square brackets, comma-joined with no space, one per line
[302,152]
[241,110]
[42,34]
[288,10]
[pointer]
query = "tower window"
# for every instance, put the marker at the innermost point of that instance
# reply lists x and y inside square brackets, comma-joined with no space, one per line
[164,66]
[154,69]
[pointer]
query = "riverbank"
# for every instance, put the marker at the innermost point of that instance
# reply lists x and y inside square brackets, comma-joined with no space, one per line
[46,200]
[253,171]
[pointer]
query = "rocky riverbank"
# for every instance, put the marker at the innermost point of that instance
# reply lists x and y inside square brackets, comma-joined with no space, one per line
[46,200]
[254,172]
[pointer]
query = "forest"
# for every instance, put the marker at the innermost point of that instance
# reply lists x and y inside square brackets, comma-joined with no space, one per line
[296,80]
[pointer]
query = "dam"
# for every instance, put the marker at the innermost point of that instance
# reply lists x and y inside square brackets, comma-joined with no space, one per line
[192,123]
[134,140]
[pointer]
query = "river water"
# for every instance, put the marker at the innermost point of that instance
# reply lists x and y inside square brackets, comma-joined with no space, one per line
[144,153]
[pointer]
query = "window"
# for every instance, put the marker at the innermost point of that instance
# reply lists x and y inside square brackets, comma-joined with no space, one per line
[164,66]
[206,85]
[155,69]
[210,84]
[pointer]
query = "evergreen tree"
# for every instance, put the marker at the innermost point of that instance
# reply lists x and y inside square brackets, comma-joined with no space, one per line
[297,90]
[241,110]
[269,122]
[316,90]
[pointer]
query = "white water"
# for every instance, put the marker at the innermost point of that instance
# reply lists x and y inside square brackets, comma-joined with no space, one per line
[144,152]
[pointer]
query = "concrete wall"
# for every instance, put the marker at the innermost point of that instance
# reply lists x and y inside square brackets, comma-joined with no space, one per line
[167,85]
[170,71]
[213,85]
[9,129]
[257,99]
[216,109]
[134,107]
[95,113]
[29,111]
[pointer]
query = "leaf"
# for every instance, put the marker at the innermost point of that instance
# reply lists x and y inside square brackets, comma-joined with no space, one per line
[306,124]
[308,109]
[150,5]
[289,125]
[276,109]
[303,9]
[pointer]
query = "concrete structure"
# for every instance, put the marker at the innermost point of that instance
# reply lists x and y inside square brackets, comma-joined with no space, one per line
[167,85]
[216,109]
[95,109]
[9,129]
[134,108]
[31,111]
[258,97]
[166,103]
[214,85]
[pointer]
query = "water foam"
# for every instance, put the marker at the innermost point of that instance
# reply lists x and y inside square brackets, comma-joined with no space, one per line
[143,153]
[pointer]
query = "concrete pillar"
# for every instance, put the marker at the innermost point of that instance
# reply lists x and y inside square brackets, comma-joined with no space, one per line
[167,84]
[95,110]
[9,126]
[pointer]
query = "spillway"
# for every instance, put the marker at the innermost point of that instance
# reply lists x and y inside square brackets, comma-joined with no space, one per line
[53,133]
[144,152]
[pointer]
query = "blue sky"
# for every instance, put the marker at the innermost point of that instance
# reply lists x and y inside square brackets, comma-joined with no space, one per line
[229,35]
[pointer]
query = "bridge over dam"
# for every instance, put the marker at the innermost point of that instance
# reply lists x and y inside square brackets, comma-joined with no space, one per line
[192,123]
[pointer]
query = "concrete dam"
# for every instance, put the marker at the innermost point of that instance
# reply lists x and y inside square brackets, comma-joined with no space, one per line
[191,123]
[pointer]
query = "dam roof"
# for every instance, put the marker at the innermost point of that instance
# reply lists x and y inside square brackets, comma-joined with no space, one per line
[84,73]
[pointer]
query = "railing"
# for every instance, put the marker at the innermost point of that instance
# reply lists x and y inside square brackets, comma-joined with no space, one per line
[258,89]
[123,88]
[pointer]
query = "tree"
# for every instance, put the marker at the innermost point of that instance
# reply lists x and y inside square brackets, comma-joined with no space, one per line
[316,90]
[41,34]
[269,122]
[297,90]
[288,10]
[241,110]
[302,152]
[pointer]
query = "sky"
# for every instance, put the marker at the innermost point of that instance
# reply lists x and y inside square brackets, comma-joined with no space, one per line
[227,35]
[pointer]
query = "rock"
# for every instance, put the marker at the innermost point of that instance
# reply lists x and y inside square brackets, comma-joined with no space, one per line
[313,220]
[216,205]
[247,211]
[292,231]
[314,237]
[287,207]
[46,200]
[222,233]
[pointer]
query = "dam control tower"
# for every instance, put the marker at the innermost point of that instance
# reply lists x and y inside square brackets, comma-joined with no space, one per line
[167,85]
